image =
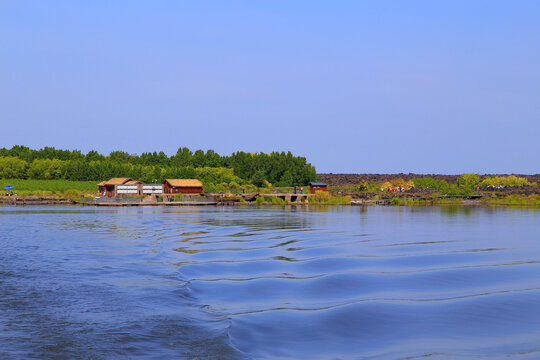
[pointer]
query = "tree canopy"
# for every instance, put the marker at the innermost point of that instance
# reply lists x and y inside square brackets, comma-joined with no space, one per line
[277,168]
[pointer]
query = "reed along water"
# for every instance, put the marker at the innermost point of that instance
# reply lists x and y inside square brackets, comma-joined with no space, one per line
[269,283]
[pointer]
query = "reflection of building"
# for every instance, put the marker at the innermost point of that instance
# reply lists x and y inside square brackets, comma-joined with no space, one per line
[317,186]
[182,186]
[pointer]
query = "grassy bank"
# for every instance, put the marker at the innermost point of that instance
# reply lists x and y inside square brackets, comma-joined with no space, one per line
[510,200]
[324,198]
[320,198]
[47,187]
[514,200]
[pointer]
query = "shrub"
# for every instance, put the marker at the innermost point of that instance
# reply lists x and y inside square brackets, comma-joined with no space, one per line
[409,184]
[72,194]
[399,182]
[387,184]
[429,182]
[274,200]
[234,187]
[509,181]
[249,188]
[363,186]
[468,181]
[321,196]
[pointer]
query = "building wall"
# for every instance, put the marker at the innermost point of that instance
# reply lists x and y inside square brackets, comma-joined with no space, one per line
[168,189]
[131,189]
[187,190]
[111,190]
[312,189]
[153,189]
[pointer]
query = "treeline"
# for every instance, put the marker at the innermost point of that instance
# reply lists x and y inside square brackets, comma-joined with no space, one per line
[259,169]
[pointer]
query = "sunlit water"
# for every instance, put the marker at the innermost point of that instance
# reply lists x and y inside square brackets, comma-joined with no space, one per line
[269,283]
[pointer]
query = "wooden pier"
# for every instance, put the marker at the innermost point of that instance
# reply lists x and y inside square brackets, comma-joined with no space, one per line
[174,203]
[290,197]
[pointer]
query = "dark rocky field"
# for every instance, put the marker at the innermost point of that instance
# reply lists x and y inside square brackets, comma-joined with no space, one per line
[355,179]
[339,184]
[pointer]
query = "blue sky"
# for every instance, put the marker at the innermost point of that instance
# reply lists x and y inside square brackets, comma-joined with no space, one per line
[378,87]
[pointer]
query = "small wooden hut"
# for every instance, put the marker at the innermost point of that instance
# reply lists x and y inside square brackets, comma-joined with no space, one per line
[182,186]
[317,186]
[110,187]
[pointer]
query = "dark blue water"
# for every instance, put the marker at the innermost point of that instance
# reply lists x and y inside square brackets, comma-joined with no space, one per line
[269,283]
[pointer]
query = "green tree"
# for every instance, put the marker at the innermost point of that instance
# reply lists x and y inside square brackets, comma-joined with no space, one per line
[212,158]
[47,169]
[199,159]
[13,168]
[259,179]
[119,156]
[182,158]
[286,179]
[94,156]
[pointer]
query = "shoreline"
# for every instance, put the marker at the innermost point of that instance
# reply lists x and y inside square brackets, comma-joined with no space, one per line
[409,202]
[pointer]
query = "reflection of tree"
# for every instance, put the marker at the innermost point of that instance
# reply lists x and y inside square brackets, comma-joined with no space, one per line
[455,210]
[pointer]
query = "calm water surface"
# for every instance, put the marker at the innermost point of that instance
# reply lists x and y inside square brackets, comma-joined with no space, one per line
[269,283]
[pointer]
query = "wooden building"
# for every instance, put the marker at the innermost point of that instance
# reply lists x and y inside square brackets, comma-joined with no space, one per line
[116,186]
[317,186]
[182,186]
[132,187]
[149,189]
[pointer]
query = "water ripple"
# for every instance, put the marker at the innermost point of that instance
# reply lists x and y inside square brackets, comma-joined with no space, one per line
[276,283]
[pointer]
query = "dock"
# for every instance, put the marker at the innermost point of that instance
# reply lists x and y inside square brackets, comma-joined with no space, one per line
[291,197]
[194,200]
[175,203]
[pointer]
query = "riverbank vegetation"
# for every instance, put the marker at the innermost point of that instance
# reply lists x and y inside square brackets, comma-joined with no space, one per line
[508,200]
[513,200]
[439,189]
[50,171]
[324,198]
[466,184]
[48,187]
[506,181]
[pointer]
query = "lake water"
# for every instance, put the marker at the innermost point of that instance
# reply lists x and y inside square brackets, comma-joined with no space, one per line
[269,283]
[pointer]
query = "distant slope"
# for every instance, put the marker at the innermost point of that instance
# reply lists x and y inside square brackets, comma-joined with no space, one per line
[354,179]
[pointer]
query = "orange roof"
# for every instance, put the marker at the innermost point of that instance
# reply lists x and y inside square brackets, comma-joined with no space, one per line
[101,183]
[184,182]
[133,182]
[117,181]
